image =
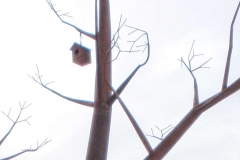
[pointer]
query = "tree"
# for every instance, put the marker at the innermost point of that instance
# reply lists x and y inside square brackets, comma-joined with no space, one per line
[179,22]
[104,99]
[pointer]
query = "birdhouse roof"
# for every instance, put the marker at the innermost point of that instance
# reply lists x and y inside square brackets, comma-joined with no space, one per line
[79,45]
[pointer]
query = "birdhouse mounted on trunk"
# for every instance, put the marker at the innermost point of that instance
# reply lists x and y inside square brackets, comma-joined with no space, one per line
[80,54]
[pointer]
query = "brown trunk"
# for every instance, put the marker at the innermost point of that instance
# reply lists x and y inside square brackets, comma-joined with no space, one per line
[100,128]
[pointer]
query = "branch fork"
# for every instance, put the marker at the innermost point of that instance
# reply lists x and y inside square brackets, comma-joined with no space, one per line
[22,107]
[191,56]
[161,150]
[168,128]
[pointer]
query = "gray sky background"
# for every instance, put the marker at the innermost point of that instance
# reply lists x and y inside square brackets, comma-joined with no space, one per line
[160,94]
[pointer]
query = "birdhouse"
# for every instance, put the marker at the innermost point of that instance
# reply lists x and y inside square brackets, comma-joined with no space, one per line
[80,54]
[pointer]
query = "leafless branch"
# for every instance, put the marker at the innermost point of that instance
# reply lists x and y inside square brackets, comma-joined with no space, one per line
[168,128]
[78,101]
[116,37]
[202,65]
[133,42]
[174,136]
[125,83]
[210,102]
[66,14]
[191,55]
[227,67]
[196,95]
[8,115]
[22,107]
[28,150]
[190,58]
[133,121]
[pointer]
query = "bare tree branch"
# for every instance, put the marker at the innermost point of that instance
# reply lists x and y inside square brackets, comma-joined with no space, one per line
[202,65]
[133,42]
[22,107]
[78,101]
[28,150]
[113,97]
[191,56]
[66,14]
[172,138]
[196,95]
[133,121]
[227,67]
[114,41]
[119,90]
[116,37]
[234,87]
[162,132]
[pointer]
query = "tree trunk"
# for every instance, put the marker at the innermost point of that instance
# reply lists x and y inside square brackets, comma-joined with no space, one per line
[101,120]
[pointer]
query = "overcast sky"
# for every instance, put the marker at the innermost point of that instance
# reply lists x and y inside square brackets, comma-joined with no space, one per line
[160,94]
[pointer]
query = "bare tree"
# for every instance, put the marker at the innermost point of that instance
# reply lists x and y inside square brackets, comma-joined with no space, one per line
[14,123]
[106,95]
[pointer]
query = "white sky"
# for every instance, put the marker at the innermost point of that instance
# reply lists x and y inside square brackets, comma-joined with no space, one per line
[160,94]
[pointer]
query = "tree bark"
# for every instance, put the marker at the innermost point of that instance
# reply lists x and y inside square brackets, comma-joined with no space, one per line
[101,120]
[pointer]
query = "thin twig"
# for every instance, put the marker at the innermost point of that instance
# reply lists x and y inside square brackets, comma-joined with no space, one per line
[162,132]
[189,59]
[116,37]
[202,65]
[28,150]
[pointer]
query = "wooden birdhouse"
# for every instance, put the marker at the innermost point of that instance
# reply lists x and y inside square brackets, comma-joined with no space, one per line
[80,54]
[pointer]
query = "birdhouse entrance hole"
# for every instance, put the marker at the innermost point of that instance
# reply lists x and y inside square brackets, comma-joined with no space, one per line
[76,51]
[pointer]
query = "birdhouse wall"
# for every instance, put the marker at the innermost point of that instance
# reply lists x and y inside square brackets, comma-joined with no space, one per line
[81,55]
